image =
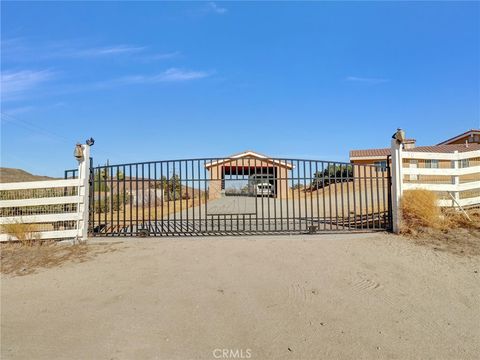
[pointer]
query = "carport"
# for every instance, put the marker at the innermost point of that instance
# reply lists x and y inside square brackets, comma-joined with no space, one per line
[239,174]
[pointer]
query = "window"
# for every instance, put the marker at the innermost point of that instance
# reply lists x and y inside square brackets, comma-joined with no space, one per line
[380,165]
[431,164]
[464,163]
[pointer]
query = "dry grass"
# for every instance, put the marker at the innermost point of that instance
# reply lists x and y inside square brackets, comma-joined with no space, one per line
[420,209]
[21,231]
[449,230]
[25,258]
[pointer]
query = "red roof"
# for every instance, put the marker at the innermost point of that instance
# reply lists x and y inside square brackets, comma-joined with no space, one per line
[466,133]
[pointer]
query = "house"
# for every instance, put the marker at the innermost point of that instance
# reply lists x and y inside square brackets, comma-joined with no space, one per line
[240,172]
[467,141]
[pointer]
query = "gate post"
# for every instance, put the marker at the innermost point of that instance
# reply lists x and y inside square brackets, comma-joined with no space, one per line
[84,192]
[397,183]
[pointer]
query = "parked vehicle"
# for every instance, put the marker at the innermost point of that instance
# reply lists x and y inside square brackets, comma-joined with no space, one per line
[264,189]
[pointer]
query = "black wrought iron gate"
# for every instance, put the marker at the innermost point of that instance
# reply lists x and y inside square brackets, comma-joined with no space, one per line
[246,194]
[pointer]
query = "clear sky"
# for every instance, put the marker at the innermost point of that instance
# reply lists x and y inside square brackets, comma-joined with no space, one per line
[154,81]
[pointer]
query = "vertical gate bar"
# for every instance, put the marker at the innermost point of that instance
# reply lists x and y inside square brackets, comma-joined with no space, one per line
[354,175]
[149,197]
[236,170]
[180,178]
[255,195]
[323,197]
[136,199]
[105,175]
[385,209]
[162,188]
[305,194]
[341,195]
[118,201]
[124,200]
[155,185]
[111,192]
[336,195]
[131,199]
[310,179]
[372,197]
[187,196]
[366,198]
[193,195]
[143,197]
[222,184]
[280,191]
[98,193]
[92,200]
[261,197]
[389,193]
[378,199]
[329,194]
[361,167]
[299,198]
[294,225]
[287,198]
[246,202]
[168,185]
[349,174]
[206,192]
[317,194]
[267,169]
[174,177]
[275,192]
[199,197]
[268,194]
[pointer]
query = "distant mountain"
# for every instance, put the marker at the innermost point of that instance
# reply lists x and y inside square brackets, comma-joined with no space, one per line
[18,175]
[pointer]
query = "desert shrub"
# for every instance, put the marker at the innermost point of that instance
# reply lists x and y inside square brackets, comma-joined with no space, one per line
[420,210]
[455,219]
[21,231]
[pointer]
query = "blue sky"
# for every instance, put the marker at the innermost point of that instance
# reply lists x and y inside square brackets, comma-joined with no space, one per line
[154,81]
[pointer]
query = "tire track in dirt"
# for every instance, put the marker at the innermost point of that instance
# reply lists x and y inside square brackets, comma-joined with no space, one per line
[365,285]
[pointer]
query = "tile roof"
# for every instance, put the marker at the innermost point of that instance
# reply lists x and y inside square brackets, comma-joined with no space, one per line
[435,148]
[471,131]
[250,154]
[447,148]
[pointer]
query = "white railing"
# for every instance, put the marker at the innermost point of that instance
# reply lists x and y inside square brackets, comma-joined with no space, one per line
[455,187]
[45,204]
[459,194]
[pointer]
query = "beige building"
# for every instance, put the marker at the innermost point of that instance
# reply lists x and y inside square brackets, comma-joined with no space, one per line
[466,141]
[253,169]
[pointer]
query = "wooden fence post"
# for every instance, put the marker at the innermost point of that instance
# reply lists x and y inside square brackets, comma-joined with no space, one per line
[397,184]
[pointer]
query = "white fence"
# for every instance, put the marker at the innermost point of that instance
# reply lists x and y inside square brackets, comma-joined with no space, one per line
[461,184]
[55,208]
[457,190]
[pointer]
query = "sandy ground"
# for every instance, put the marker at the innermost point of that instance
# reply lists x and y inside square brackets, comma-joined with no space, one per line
[353,296]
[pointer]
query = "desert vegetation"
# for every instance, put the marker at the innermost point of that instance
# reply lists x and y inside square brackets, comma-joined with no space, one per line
[443,229]
[27,257]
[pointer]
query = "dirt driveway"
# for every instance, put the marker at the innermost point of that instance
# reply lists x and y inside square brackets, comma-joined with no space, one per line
[354,296]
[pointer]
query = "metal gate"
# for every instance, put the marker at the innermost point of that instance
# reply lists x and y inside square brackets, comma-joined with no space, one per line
[238,195]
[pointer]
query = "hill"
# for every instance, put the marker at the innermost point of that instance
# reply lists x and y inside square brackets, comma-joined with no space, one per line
[18,175]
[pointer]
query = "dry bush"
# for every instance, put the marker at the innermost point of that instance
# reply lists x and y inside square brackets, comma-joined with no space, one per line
[449,230]
[21,231]
[17,258]
[456,219]
[419,209]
